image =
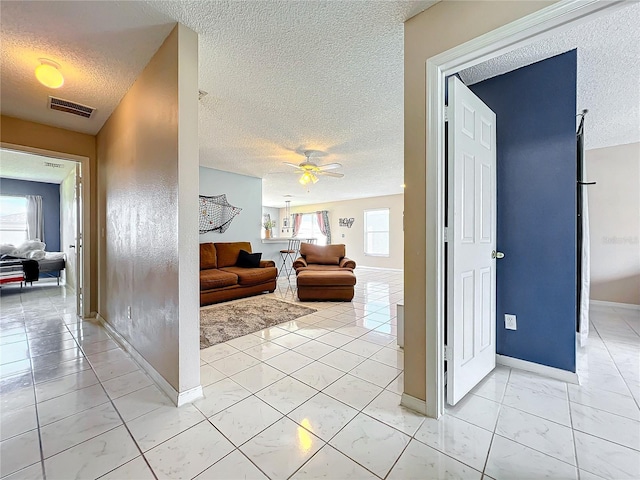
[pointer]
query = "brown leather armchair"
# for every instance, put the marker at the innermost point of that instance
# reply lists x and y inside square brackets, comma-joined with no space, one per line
[325,258]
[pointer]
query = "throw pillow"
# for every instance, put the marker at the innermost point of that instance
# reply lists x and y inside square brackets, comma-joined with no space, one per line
[248,260]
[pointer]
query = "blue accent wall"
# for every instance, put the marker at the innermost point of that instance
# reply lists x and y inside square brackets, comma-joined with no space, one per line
[50,193]
[535,110]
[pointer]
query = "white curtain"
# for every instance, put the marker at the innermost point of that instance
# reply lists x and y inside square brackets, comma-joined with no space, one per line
[586,266]
[35,218]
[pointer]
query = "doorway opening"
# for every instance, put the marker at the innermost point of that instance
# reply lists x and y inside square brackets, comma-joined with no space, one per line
[553,19]
[44,222]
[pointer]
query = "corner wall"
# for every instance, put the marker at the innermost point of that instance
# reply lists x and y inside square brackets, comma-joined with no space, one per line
[148,164]
[439,28]
[614,206]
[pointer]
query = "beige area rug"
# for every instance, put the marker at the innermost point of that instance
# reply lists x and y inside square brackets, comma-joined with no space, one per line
[225,321]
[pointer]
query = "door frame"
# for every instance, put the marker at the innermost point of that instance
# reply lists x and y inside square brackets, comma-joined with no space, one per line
[85,164]
[544,23]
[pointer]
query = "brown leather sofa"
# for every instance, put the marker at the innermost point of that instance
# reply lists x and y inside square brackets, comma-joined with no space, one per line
[221,279]
[324,273]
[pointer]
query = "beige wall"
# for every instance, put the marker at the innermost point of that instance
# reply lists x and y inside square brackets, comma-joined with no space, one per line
[35,135]
[614,220]
[354,237]
[442,27]
[143,187]
[68,226]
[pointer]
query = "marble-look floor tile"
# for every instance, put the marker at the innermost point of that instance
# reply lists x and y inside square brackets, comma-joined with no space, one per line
[342,360]
[362,348]
[99,346]
[93,458]
[246,341]
[130,382]
[107,371]
[463,441]
[189,453]
[538,433]
[491,388]
[606,425]
[539,383]
[509,459]
[323,416]
[538,403]
[63,385]
[269,334]
[235,363]
[70,403]
[245,419]
[394,357]
[420,462]
[353,391]
[335,339]
[328,463]
[19,452]
[17,421]
[15,368]
[57,370]
[289,361]
[476,410]
[282,448]
[291,340]
[14,352]
[209,375]
[234,465]
[136,469]
[265,350]
[387,409]
[286,394]
[314,349]
[371,443]
[220,396]
[317,375]
[606,459]
[397,385]
[153,428]
[78,428]
[376,373]
[258,377]
[142,401]
[33,472]
[217,352]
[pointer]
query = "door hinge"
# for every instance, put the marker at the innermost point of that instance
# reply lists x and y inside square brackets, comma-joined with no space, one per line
[447,353]
[446,113]
[445,233]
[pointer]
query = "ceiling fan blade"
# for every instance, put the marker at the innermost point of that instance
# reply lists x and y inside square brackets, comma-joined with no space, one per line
[331,174]
[291,165]
[330,166]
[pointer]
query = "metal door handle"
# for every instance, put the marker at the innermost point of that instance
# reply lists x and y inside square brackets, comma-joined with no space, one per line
[72,246]
[495,254]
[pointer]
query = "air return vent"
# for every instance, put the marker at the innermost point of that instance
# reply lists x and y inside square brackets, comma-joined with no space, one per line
[70,107]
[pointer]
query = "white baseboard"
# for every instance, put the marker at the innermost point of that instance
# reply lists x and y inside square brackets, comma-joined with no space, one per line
[178,399]
[413,403]
[602,303]
[544,370]
[381,268]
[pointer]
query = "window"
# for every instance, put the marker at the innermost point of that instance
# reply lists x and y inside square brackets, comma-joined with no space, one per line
[13,219]
[309,228]
[376,232]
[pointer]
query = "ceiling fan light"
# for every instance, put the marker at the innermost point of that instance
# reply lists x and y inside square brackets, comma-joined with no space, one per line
[304,179]
[314,179]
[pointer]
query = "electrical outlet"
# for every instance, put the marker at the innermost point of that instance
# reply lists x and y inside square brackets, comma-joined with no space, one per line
[510,322]
[129,312]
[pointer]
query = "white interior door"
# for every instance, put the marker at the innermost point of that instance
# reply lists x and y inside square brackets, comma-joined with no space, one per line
[471,275]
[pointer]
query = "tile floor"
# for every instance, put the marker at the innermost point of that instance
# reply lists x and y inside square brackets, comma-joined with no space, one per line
[314,398]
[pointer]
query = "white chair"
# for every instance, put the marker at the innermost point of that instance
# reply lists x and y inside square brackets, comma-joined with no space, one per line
[289,256]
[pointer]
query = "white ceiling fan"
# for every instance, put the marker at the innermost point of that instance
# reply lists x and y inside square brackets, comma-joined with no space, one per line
[310,171]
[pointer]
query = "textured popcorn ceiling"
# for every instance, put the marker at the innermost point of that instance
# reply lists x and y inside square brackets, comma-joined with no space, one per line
[27,166]
[101,47]
[608,73]
[281,75]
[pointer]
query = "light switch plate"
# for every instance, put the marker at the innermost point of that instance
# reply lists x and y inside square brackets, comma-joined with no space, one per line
[510,322]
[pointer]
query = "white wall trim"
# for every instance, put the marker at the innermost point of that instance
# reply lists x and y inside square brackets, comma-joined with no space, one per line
[413,403]
[178,399]
[551,372]
[519,33]
[381,268]
[602,303]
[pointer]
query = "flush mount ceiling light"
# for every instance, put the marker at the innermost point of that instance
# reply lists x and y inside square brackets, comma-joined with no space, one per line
[48,73]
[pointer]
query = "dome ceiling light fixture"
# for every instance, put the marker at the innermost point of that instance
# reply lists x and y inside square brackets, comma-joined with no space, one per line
[48,73]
